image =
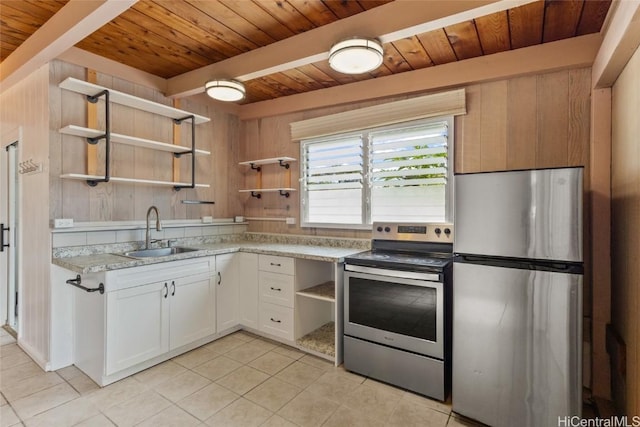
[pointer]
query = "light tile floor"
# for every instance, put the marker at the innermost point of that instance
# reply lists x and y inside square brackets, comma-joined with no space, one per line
[240,380]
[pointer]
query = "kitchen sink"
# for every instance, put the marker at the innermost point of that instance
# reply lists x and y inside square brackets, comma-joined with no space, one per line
[158,252]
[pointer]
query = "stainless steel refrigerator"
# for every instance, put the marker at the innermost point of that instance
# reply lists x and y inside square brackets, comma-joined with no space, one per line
[517,296]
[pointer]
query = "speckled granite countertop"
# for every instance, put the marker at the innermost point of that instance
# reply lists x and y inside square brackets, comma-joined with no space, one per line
[85,260]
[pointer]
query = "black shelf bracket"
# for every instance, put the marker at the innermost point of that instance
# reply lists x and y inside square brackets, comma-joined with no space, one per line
[283,164]
[284,193]
[192,152]
[107,136]
[255,167]
[256,195]
[77,282]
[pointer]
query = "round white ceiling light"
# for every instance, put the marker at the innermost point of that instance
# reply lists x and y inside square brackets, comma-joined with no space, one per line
[225,90]
[356,56]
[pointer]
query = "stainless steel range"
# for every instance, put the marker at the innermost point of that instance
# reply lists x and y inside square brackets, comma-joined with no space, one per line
[397,307]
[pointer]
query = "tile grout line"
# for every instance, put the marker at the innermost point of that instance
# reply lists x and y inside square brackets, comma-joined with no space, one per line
[304,359]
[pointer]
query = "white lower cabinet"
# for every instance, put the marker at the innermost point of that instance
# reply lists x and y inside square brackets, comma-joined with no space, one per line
[147,314]
[248,289]
[275,287]
[152,313]
[227,278]
[137,326]
[300,301]
[192,314]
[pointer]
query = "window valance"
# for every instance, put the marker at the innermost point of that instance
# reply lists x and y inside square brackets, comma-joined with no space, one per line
[452,102]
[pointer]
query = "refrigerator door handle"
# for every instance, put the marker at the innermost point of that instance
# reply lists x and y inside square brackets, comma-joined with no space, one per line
[521,264]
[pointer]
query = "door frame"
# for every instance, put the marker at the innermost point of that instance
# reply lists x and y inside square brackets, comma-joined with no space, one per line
[8,138]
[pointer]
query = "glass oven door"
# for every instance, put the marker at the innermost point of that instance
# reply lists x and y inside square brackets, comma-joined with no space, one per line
[395,308]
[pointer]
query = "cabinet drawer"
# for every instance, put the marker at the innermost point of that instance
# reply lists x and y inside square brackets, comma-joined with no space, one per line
[276,320]
[276,264]
[276,288]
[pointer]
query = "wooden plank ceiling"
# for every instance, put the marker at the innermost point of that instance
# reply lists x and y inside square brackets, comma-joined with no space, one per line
[168,37]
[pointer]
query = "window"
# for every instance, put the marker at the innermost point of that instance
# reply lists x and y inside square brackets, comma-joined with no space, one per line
[393,173]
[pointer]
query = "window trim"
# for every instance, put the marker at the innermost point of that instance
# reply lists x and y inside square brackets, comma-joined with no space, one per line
[366,193]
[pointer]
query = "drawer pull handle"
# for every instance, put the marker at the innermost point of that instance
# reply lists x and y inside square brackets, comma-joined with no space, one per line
[275,264]
[276,289]
[166,290]
[219,278]
[276,321]
[173,286]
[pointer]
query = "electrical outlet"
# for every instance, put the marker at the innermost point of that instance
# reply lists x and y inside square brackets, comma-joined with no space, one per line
[207,219]
[290,220]
[63,223]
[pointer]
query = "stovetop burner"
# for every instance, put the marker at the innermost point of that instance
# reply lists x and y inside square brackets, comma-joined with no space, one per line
[412,247]
[401,260]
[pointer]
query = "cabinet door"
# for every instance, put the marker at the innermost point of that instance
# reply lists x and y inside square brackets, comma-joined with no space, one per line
[248,289]
[137,325]
[226,291]
[193,306]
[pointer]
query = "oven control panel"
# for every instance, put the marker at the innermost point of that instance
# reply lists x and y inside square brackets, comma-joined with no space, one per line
[413,231]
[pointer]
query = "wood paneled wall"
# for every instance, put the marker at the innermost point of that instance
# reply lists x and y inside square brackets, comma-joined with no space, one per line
[524,122]
[24,106]
[122,201]
[625,236]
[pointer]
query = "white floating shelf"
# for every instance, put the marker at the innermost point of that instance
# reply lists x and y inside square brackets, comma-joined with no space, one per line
[268,161]
[267,190]
[82,177]
[129,140]
[122,98]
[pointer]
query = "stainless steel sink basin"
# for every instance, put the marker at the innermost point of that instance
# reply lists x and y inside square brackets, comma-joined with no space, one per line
[158,252]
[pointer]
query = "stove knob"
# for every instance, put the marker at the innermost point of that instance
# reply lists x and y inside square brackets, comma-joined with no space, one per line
[437,231]
[387,229]
[447,231]
[379,229]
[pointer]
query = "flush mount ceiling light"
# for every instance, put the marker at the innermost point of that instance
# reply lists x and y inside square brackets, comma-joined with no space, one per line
[356,56]
[225,90]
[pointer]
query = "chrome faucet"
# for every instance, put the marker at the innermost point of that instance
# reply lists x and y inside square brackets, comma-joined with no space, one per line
[158,226]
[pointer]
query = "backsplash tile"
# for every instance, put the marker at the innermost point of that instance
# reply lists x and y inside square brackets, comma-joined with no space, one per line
[101,237]
[193,232]
[128,235]
[69,239]
[174,233]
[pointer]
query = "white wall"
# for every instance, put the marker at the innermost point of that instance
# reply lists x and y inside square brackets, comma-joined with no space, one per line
[625,227]
[26,106]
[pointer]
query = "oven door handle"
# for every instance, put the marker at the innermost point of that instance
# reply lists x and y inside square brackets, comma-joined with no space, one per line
[431,277]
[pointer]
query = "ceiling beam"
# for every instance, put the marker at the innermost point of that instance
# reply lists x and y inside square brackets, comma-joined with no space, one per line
[568,53]
[72,23]
[389,22]
[621,39]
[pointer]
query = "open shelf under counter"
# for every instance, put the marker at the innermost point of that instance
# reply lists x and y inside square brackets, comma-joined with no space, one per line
[325,291]
[91,89]
[82,177]
[321,340]
[129,140]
